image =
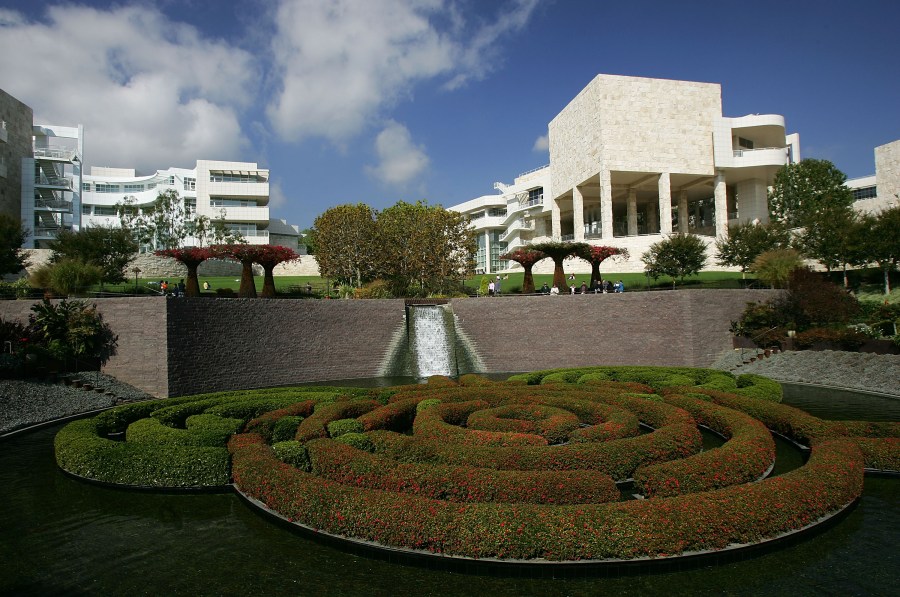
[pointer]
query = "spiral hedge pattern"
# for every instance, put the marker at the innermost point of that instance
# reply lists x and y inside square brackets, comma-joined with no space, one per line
[525,469]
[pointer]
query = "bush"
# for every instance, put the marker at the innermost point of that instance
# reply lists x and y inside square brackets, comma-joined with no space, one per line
[285,428]
[342,426]
[846,338]
[360,441]
[378,289]
[293,453]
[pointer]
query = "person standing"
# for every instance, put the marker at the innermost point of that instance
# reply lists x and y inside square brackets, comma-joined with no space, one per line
[491,288]
[497,286]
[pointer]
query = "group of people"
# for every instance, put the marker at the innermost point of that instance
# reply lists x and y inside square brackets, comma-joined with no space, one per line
[602,287]
[173,289]
[494,286]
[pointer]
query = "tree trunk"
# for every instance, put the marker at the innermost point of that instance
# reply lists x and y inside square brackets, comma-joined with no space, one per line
[268,289]
[559,275]
[596,279]
[192,286]
[248,286]
[846,281]
[528,282]
[887,280]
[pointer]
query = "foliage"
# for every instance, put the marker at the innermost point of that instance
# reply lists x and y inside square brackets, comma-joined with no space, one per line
[293,453]
[377,289]
[342,426]
[679,255]
[309,239]
[72,329]
[847,338]
[813,300]
[17,289]
[268,257]
[880,242]
[775,267]
[559,252]
[833,237]
[110,249]
[423,249]
[191,258]
[805,191]
[526,257]
[745,242]
[66,277]
[597,254]
[12,237]
[246,255]
[346,244]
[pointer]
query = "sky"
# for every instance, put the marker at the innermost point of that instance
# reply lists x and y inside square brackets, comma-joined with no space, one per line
[376,101]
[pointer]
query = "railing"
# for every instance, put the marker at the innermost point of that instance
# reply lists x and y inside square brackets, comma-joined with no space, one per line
[53,181]
[53,204]
[740,152]
[533,170]
[567,237]
[47,232]
[56,153]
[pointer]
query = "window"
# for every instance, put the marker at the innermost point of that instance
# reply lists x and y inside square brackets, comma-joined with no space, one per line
[233,177]
[85,186]
[864,193]
[103,187]
[536,196]
[497,212]
[151,186]
[190,206]
[105,210]
[190,184]
[86,210]
[134,188]
[243,229]
[745,143]
[223,202]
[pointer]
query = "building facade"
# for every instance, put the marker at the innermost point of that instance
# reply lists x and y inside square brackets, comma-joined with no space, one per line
[881,190]
[15,144]
[236,192]
[634,159]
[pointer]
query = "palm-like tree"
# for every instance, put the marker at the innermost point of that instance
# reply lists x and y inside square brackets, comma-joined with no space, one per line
[558,252]
[526,257]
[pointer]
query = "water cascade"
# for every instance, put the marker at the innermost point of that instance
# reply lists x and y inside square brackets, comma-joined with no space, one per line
[432,340]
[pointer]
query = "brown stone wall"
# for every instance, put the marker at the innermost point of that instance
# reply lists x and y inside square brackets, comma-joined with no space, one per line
[222,344]
[676,328]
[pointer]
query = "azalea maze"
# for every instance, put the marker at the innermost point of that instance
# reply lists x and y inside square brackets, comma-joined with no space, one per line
[563,465]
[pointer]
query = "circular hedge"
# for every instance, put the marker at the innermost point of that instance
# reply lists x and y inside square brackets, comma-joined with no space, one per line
[525,469]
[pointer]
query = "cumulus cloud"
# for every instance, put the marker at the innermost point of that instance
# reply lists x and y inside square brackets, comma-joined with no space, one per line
[542,143]
[151,93]
[399,159]
[340,63]
[277,198]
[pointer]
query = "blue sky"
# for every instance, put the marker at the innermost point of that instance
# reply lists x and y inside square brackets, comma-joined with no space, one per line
[380,100]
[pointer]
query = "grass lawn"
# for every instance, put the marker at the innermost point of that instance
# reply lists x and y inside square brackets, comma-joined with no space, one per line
[632,281]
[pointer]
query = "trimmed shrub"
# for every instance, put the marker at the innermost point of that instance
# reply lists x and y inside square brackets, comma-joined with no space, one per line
[360,441]
[342,426]
[285,428]
[293,453]
[426,404]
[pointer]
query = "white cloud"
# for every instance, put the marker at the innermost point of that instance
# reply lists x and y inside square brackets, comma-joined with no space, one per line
[400,160]
[542,143]
[277,198]
[341,63]
[150,93]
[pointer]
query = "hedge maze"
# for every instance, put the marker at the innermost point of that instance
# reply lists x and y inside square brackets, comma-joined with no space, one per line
[542,467]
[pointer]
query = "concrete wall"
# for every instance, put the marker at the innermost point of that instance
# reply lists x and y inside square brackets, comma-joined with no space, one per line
[887,172]
[15,143]
[174,347]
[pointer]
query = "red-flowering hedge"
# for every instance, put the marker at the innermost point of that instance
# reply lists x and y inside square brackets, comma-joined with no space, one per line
[265,423]
[344,464]
[831,479]
[316,425]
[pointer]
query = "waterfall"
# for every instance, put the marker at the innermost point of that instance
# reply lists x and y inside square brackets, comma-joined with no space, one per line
[432,340]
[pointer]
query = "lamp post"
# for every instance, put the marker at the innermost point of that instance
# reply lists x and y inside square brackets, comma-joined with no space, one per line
[136,271]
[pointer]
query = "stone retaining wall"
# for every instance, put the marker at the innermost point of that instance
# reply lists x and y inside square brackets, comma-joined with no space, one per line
[173,347]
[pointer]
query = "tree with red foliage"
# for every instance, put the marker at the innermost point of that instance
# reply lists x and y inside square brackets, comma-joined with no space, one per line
[191,258]
[526,257]
[558,252]
[246,255]
[269,256]
[595,255]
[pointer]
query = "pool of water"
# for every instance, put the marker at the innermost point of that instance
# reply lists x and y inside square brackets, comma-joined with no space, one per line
[62,536]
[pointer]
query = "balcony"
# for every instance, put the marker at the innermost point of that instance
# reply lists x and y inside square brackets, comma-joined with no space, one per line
[241,214]
[53,204]
[55,182]
[515,228]
[238,189]
[55,153]
[48,232]
[764,156]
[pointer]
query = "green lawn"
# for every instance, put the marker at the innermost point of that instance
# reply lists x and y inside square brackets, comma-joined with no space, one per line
[632,281]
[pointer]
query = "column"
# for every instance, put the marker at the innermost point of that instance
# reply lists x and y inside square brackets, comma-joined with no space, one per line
[555,223]
[683,218]
[652,220]
[665,204]
[487,252]
[606,210]
[632,212]
[578,214]
[721,202]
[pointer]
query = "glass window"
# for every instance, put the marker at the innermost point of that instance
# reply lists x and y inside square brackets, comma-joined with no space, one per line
[85,186]
[223,202]
[105,210]
[745,143]
[234,177]
[190,184]
[103,187]
[134,188]
[864,193]
[536,196]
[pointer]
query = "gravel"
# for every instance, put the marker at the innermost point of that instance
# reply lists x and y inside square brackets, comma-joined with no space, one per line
[24,403]
[851,370]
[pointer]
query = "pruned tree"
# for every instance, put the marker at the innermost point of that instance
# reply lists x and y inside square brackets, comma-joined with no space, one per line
[526,257]
[746,242]
[597,254]
[269,256]
[191,258]
[12,236]
[677,256]
[559,252]
[246,255]
[345,243]
[805,190]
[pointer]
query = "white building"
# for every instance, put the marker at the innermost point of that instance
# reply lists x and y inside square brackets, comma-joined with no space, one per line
[51,183]
[632,160]
[235,191]
[881,190]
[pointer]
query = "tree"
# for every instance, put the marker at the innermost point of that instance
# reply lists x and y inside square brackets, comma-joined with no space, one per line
[345,243]
[246,255]
[66,277]
[110,249]
[269,256]
[806,189]
[422,248]
[558,252]
[595,255]
[746,242]
[309,239]
[678,256]
[775,267]
[832,238]
[12,237]
[880,242]
[526,257]
[191,258]
[167,224]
